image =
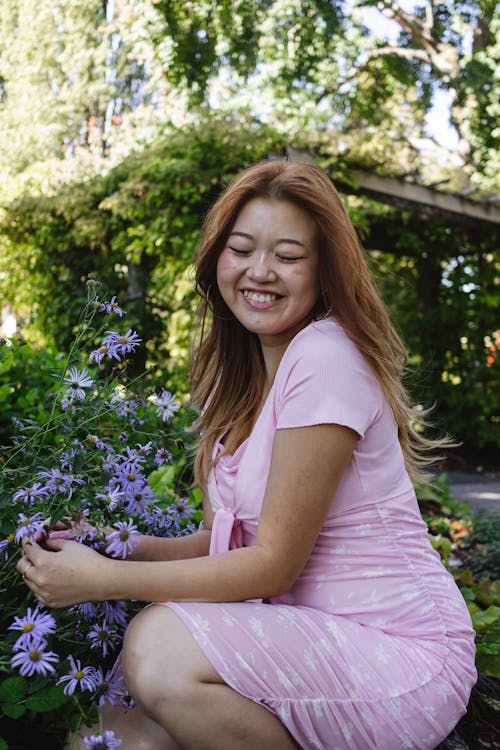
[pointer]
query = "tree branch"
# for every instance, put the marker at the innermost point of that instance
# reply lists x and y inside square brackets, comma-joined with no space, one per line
[441,56]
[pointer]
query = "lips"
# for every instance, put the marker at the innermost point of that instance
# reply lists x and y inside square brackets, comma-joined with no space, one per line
[255,296]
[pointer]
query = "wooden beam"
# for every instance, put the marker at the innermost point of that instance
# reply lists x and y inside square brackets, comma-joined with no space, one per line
[411,197]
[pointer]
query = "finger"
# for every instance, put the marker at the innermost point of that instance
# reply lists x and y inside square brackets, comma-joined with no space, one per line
[62,534]
[24,566]
[57,543]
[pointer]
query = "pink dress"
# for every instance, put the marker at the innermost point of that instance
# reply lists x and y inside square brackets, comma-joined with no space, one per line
[373,646]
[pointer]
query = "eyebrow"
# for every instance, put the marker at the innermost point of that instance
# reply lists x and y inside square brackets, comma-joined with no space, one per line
[287,240]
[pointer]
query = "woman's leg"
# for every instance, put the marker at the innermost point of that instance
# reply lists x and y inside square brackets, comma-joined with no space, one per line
[174,683]
[133,727]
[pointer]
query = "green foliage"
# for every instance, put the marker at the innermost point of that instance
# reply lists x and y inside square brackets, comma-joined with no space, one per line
[441,285]
[470,548]
[136,229]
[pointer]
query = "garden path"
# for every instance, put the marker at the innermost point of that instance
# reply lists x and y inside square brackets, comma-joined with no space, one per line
[480,489]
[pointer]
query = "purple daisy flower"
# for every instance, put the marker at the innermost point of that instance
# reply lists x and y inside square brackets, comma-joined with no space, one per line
[115,611]
[105,741]
[108,307]
[33,626]
[134,502]
[80,677]
[29,494]
[34,660]
[110,499]
[60,482]
[76,380]
[28,526]
[123,540]
[87,610]
[115,346]
[166,404]
[162,456]
[109,689]
[103,637]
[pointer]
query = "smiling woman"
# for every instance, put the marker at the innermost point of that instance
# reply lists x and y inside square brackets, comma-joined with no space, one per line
[268,272]
[311,610]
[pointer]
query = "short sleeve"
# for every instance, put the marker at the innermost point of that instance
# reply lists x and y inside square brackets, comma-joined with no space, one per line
[324,379]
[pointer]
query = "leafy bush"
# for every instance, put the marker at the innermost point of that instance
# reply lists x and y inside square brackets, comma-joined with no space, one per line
[470,548]
[98,453]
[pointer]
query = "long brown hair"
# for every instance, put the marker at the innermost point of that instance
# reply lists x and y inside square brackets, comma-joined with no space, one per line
[228,374]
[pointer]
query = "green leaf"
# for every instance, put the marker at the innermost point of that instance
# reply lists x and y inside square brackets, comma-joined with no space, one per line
[47,700]
[13,689]
[484,618]
[3,744]
[14,710]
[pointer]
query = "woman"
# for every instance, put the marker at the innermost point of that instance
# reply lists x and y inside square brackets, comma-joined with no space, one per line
[311,611]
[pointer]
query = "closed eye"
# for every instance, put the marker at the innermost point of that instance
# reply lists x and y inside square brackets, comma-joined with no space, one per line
[289,258]
[239,251]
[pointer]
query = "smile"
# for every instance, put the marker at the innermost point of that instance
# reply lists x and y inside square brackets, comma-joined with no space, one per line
[260,297]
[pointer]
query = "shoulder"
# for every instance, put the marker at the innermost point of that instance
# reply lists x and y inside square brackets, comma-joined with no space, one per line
[324,378]
[324,344]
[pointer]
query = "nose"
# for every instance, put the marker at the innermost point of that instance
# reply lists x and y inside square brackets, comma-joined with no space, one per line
[261,267]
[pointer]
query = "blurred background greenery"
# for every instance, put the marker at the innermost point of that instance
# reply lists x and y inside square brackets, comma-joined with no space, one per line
[120,122]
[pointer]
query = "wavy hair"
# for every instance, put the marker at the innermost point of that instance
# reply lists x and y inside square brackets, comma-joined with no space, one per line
[227,371]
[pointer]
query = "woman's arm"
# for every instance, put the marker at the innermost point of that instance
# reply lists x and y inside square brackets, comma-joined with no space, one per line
[156,549]
[306,466]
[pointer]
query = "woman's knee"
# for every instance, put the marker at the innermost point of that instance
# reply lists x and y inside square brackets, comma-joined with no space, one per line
[157,659]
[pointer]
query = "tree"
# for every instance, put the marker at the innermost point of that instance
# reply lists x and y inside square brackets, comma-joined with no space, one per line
[312,63]
[72,77]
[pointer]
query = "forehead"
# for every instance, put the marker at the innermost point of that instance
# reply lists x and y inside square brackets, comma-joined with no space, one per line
[272,216]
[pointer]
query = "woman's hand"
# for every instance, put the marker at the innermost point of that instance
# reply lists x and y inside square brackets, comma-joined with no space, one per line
[63,573]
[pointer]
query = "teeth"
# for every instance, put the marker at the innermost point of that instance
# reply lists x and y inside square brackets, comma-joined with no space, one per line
[258,297]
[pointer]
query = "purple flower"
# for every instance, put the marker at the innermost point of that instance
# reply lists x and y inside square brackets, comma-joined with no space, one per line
[158,520]
[29,494]
[28,526]
[108,307]
[33,626]
[17,423]
[182,509]
[34,660]
[60,482]
[114,611]
[66,404]
[87,610]
[104,741]
[162,456]
[4,546]
[115,346]
[77,380]
[80,677]
[134,502]
[166,404]
[109,690]
[125,408]
[111,498]
[104,637]
[128,477]
[123,540]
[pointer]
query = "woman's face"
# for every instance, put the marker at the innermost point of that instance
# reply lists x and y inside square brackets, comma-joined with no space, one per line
[268,272]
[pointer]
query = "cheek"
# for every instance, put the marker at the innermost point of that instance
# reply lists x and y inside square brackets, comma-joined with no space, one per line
[225,265]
